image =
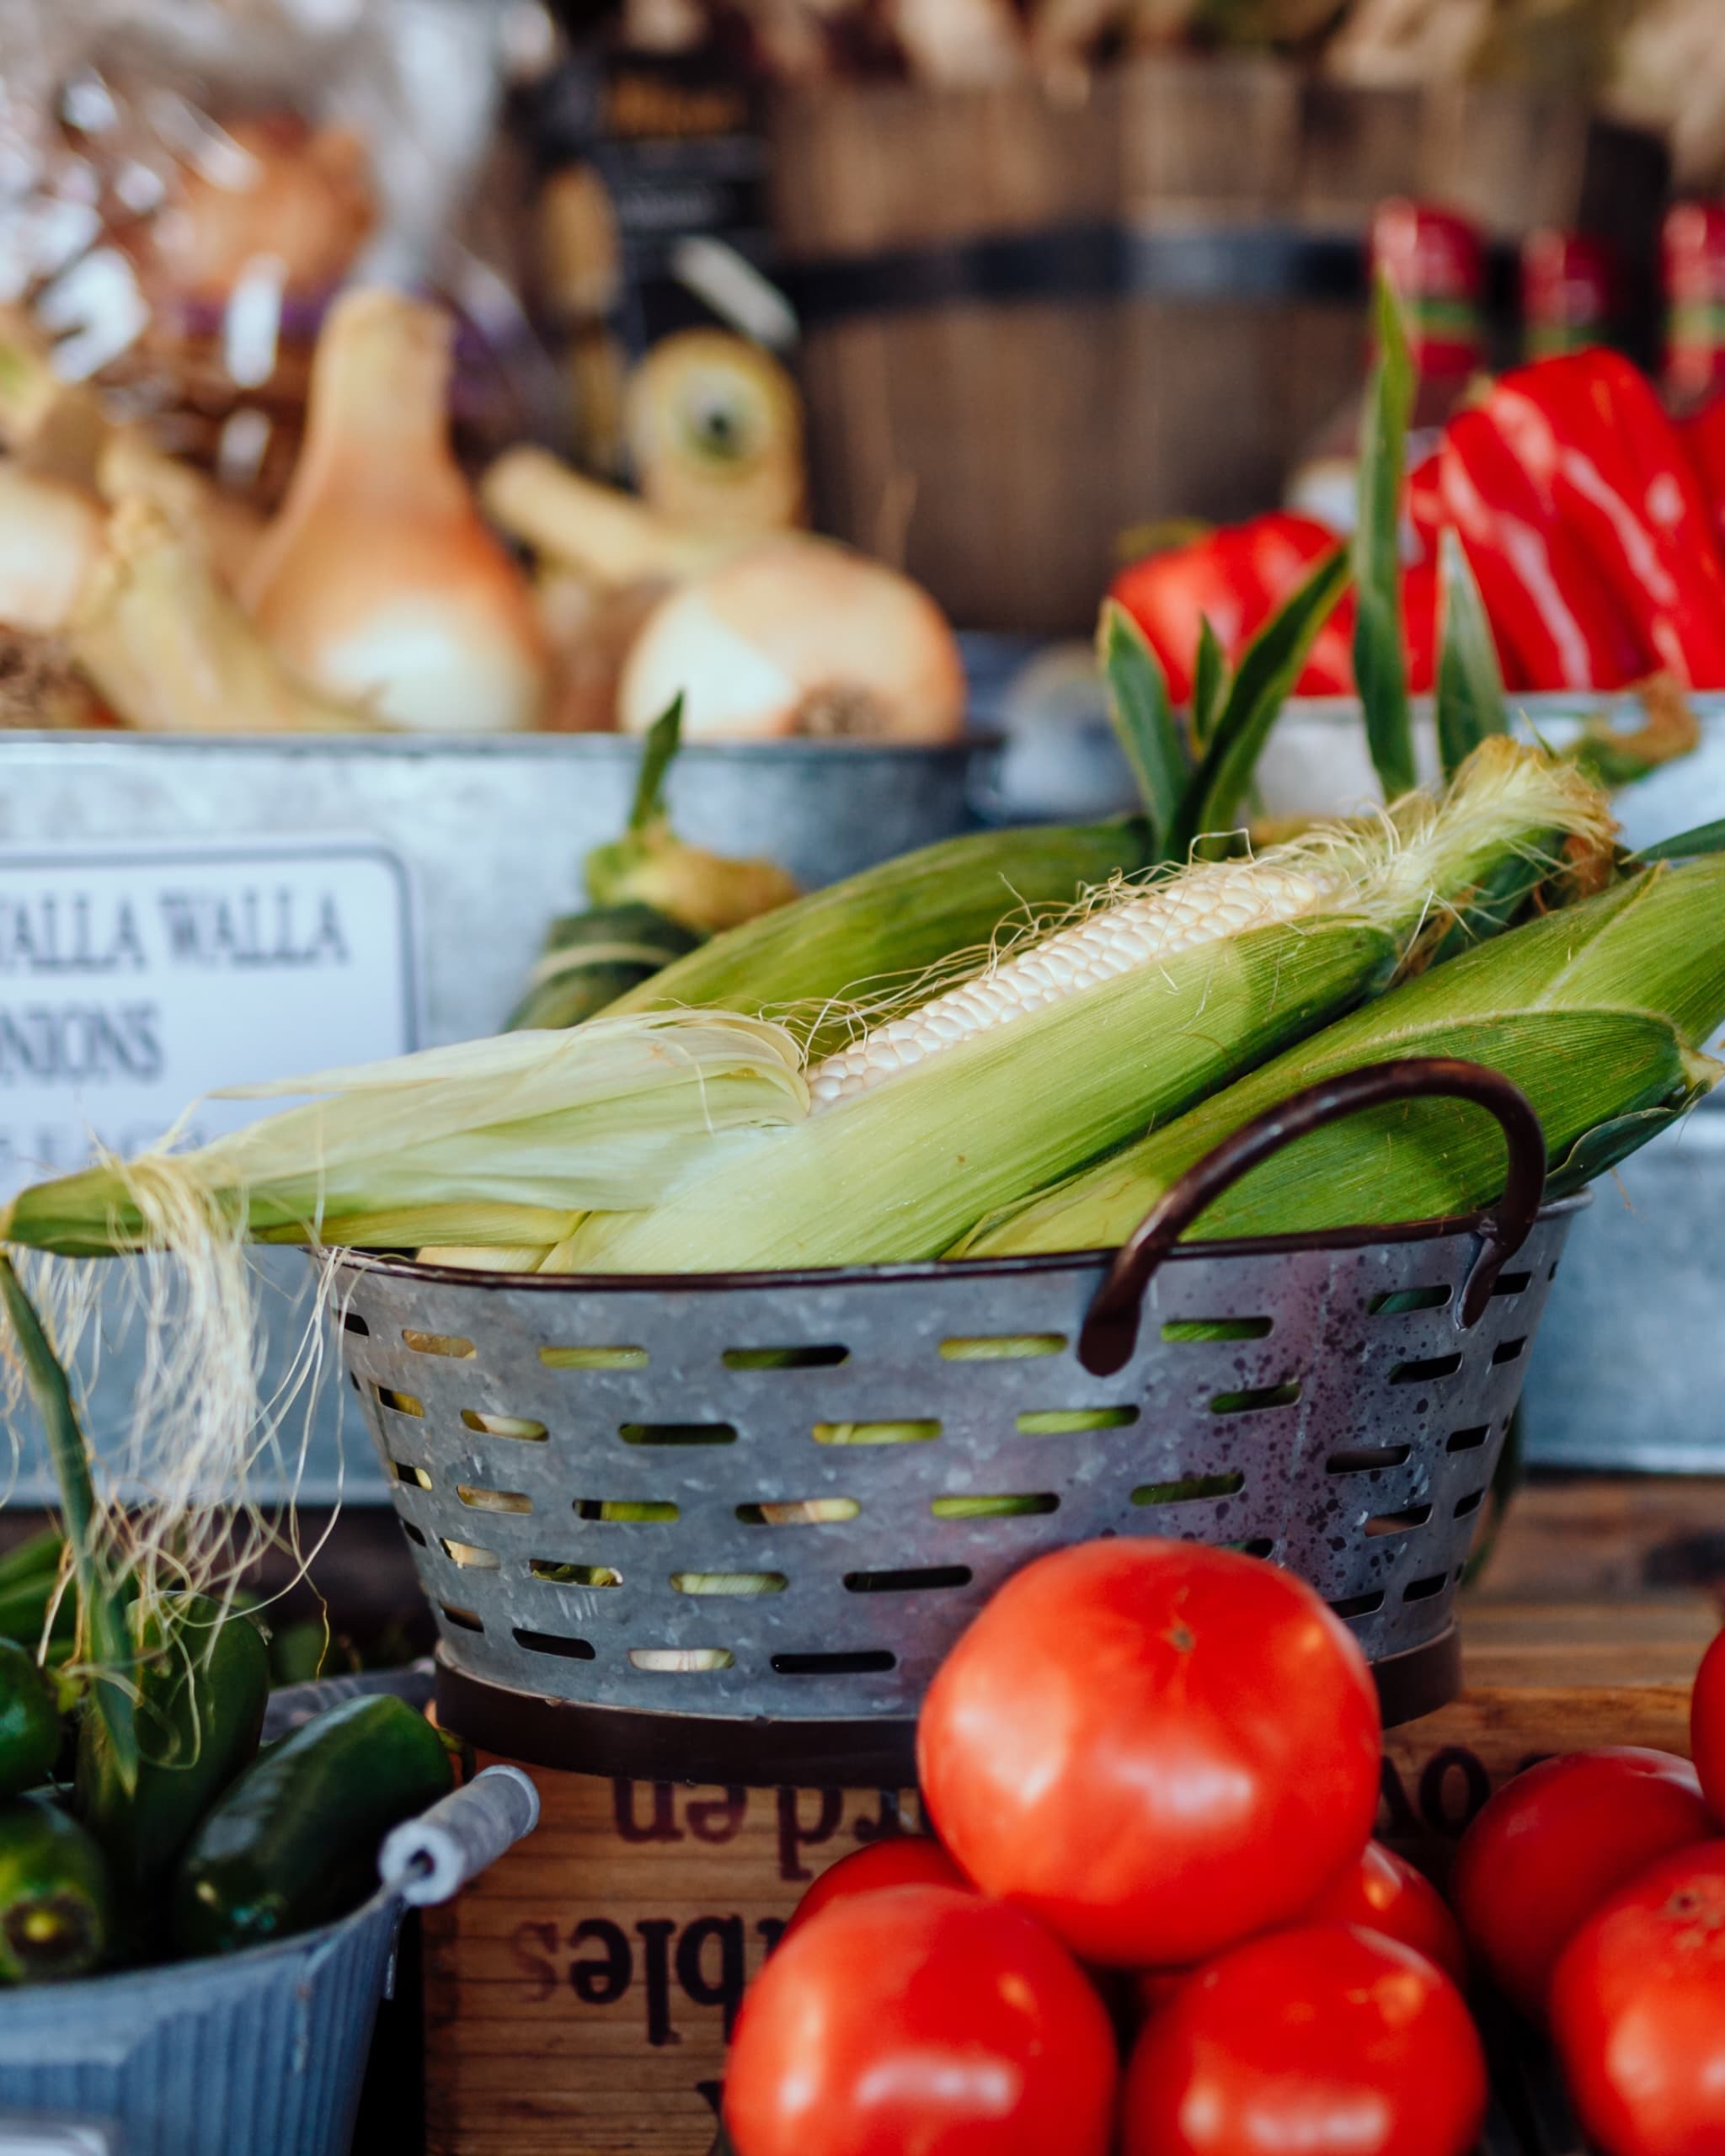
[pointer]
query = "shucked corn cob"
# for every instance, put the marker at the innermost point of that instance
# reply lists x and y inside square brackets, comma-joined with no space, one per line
[1206,904]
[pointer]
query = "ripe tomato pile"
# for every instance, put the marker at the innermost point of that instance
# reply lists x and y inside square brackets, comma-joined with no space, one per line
[1154,1923]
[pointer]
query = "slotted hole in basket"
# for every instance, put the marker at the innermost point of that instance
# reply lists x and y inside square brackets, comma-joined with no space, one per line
[1000,1346]
[1470,1504]
[1511,1283]
[416,1478]
[1468,1440]
[562,1575]
[469,1555]
[553,1643]
[466,1621]
[1255,1397]
[1067,1422]
[593,1358]
[729,1582]
[677,1433]
[824,1357]
[1193,1487]
[1260,1546]
[908,1581]
[1508,1351]
[522,1427]
[680,1662]
[1401,1523]
[353,1322]
[859,1661]
[875,1433]
[404,1403]
[992,1508]
[1424,1590]
[1423,1371]
[455,1345]
[414,1535]
[800,1512]
[1201,1331]
[1362,1459]
[1398,1302]
[627,1512]
[494,1501]
[1359,1605]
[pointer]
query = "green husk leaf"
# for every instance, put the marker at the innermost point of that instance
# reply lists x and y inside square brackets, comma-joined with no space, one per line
[1594,1011]
[1686,845]
[1380,665]
[658,754]
[891,921]
[1209,682]
[1470,694]
[1142,717]
[1266,674]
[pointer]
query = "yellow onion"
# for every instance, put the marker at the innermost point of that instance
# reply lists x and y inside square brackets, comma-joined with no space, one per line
[378,581]
[798,636]
[50,540]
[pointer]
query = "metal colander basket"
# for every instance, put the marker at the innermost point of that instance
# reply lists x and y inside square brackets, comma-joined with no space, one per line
[1336,1403]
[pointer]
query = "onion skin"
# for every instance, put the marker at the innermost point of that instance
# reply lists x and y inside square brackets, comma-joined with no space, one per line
[798,636]
[378,581]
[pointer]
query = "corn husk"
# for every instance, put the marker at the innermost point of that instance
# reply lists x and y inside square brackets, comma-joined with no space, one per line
[504,1141]
[1596,1012]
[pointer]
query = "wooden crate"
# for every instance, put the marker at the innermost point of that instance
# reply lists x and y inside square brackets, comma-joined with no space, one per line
[1025,433]
[578,1996]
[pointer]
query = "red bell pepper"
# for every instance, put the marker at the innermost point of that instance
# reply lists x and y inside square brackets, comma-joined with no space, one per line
[1235,577]
[1558,622]
[1703,436]
[1598,447]
[1238,577]
[1422,504]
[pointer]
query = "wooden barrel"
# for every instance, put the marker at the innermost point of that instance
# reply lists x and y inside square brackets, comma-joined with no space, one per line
[1033,321]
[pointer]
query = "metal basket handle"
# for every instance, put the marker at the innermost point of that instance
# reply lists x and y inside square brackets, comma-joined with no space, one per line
[1110,1330]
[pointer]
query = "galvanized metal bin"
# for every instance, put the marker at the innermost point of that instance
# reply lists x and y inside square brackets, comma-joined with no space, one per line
[255,2054]
[1336,1402]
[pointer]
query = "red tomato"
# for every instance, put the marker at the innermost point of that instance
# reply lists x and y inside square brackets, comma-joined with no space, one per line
[1638,2011]
[1554,1843]
[900,1860]
[1706,1726]
[921,2018]
[1326,2039]
[1152,1989]
[1385,1894]
[1156,1748]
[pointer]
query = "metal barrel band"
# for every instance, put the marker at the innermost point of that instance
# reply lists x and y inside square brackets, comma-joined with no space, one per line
[1110,1332]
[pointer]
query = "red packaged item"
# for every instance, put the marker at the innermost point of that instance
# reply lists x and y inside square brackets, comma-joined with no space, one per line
[1703,438]
[1435,263]
[1590,433]
[1555,617]
[1694,259]
[1565,292]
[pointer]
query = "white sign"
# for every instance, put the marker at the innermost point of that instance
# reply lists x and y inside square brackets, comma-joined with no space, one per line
[135,977]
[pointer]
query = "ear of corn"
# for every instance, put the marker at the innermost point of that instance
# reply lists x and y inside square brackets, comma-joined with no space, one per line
[898,919]
[1059,1051]
[500,1141]
[1595,1012]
